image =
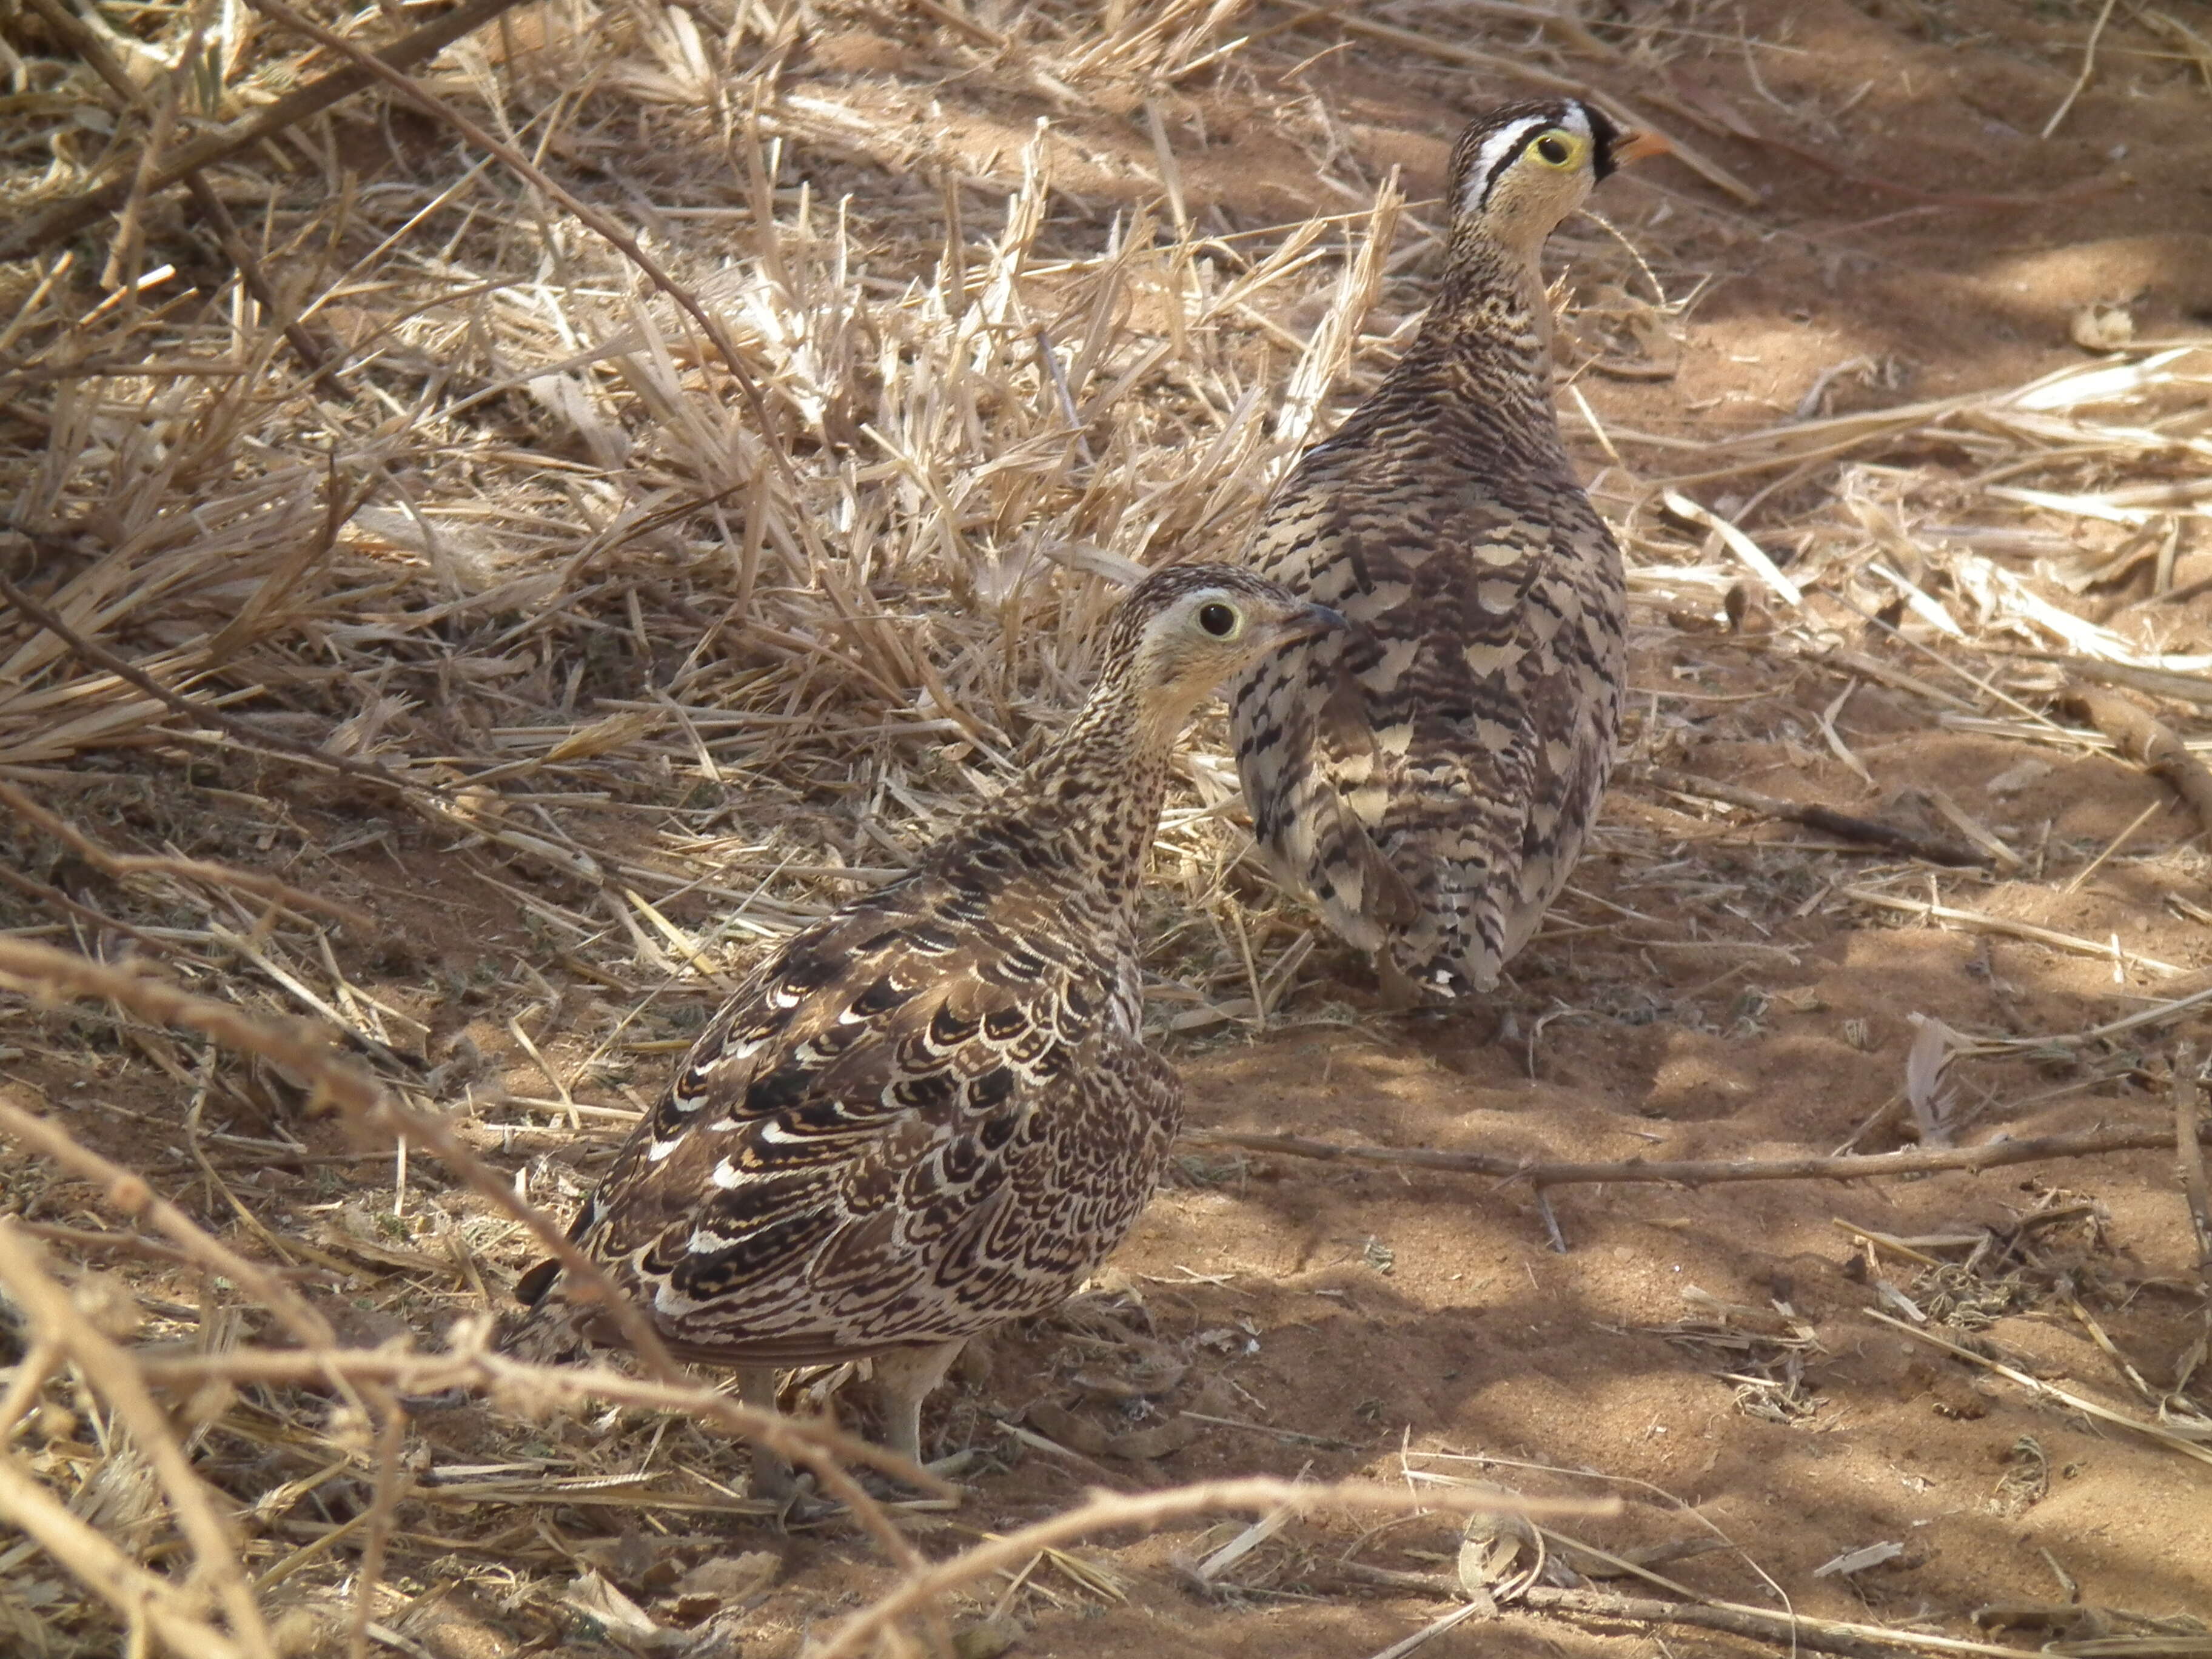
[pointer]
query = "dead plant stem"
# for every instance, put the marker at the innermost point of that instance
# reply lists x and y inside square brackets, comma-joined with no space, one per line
[100,656]
[2189,1151]
[1865,1166]
[55,224]
[44,971]
[1107,1510]
[123,1386]
[129,863]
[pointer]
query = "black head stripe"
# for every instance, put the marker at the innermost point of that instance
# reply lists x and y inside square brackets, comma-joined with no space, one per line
[1478,151]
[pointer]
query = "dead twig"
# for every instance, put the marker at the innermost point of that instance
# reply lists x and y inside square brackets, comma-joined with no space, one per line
[2190,1151]
[477,1369]
[1863,1166]
[42,230]
[2088,69]
[131,864]
[128,1194]
[93,51]
[1980,922]
[2150,745]
[100,656]
[1761,1624]
[2165,1437]
[1825,819]
[57,1318]
[1151,1509]
[136,1594]
[2154,682]
[600,223]
[41,970]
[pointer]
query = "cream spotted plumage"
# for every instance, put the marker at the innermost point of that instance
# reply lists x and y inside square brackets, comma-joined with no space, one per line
[1430,775]
[932,1111]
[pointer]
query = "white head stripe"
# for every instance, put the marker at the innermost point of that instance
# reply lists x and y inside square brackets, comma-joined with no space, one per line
[1507,141]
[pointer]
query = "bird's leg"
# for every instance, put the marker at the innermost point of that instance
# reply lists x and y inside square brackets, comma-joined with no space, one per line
[772,1475]
[905,1378]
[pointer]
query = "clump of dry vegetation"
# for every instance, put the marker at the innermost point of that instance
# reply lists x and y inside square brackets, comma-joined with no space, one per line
[490,541]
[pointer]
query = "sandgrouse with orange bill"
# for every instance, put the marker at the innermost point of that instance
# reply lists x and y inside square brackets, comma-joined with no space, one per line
[1428,774]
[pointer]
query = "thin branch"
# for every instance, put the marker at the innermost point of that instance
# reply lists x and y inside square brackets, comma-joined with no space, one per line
[800,1438]
[2088,67]
[2154,682]
[1761,1624]
[42,230]
[2035,1386]
[1990,1155]
[109,1371]
[93,51]
[600,223]
[41,970]
[44,971]
[56,899]
[119,1244]
[1981,921]
[129,1195]
[2152,745]
[1933,849]
[1107,1510]
[391,1436]
[192,709]
[132,1591]
[129,863]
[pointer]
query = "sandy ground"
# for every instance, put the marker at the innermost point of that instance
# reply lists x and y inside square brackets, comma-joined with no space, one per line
[1371,1309]
[1707,991]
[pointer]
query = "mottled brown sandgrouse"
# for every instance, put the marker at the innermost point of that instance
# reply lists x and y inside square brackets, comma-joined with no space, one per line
[1429,775]
[932,1111]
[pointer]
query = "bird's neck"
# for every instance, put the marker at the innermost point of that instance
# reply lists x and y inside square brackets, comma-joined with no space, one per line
[1093,800]
[1492,317]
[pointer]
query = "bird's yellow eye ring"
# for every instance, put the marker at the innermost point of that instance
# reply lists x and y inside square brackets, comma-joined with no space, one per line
[1555,149]
[1218,619]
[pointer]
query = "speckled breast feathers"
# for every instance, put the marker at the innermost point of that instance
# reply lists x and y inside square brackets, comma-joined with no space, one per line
[1429,775]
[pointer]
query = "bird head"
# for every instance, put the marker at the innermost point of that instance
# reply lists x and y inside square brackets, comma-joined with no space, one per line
[1186,629]
[1518,171]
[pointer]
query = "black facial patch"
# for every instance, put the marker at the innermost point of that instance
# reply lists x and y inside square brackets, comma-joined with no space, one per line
[1604,135]
[1551,112]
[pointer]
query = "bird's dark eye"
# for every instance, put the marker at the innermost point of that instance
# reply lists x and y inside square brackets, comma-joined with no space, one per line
[1555,149]
[1217,619]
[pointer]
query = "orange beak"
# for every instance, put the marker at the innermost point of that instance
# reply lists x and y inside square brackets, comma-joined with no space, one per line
[1640,145]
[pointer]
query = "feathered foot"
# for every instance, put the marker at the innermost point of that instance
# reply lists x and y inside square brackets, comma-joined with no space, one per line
[905,1378]
[772,1478]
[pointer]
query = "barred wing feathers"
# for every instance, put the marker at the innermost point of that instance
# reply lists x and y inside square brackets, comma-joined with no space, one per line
[1428,774]
[926,1115]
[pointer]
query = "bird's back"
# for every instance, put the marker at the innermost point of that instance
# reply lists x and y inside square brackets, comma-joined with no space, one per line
[1430,775]
[922,1116]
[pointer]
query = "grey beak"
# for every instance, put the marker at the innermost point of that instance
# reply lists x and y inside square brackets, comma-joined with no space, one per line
[1312,623]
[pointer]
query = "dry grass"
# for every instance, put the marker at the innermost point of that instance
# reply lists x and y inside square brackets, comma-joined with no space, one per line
[659,595]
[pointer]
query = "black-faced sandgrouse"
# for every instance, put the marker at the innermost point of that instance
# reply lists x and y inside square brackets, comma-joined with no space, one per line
[932,1111]
[1428,774]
